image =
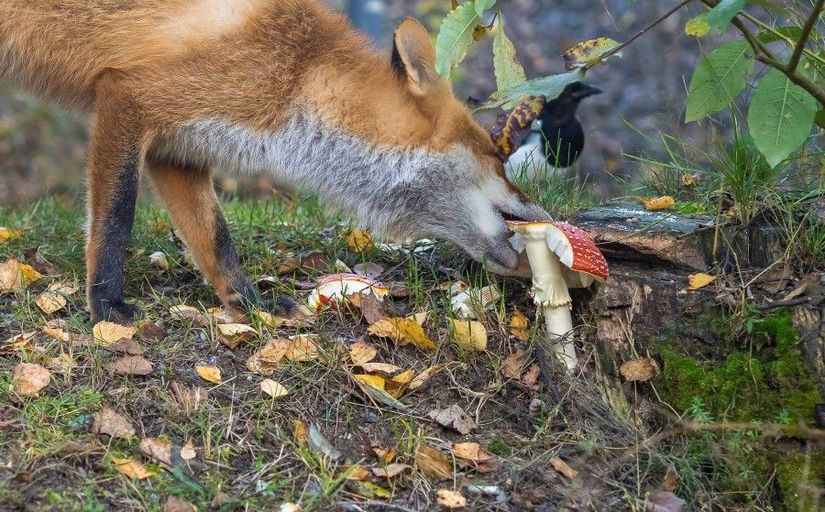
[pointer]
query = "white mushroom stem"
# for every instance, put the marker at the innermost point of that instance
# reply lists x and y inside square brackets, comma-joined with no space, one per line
[551,294]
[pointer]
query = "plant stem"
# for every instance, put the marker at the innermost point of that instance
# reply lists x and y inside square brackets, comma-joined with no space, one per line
[788,40]
[803,37]
[642,32]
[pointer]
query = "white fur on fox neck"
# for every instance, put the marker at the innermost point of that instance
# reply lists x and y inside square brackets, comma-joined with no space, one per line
[345,171]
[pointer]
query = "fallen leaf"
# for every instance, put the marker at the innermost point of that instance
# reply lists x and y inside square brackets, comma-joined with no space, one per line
[302,348]
[132,365]
[188,451]
[8,234]
[403,331]
[382,396]
[474,302]
[432,462]
[107,333]
[17,342]
[175,504]
[385,455]
[450,499]
[209,373]
[29,379]
[657,204]
[664,502]
[232,335]
[368,269]
[62,364]
[531,376]
[106,421]
[471,336]
[54,298]
[159,450]
[269,320]
[698,281]
[300,431]
[372,308]
[188,399]
[273,389]
[183,312]
[359,240]
[158,259]
[386,368]
[471,451]
[391,470]
[371,380]
[290,507]
[125,346]
[372,491]
[360,353]
[424,376]
[640,370]
[130,468]
[514,364]
[563,468]
[356,472]
[16,276]
[455,418]
[222,317]
[519,326]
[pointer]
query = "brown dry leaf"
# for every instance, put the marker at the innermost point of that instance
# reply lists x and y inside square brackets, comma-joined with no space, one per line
[390,471]
[450,499]
[133,469]
[360,353]
[470,451]
[403,331]
[62,364]
[514,364]
[175,504]
[17,342]
[664,501]
[106,421]
[159,450]
[374,381]
[640,370]
[107,333]
[424,376]
[267,319]
[455,418]
[130,347]
[232,335]
[300,431]
[184,312]
[132,365]
[385,455]
[372,307]
[698,281]
[8,234]
[359,240]
[563,468]
[188,451]
[221,316]
[356,472]
[386,368]
[16,276]
[368,269]
[29,379]
[302,348]
[273,389]
[658,204]
[471,336]
[54,298]
[432,462]
[519,326]
[269,358]
[531,376]
[188,400]
[209,373]
[159,259]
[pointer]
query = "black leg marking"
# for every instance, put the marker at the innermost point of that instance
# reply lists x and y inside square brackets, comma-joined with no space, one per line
[107,277]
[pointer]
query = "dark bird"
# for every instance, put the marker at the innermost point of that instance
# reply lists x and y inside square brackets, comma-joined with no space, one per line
[557,138]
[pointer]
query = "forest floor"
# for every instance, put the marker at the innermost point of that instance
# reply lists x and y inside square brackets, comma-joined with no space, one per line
[498,427]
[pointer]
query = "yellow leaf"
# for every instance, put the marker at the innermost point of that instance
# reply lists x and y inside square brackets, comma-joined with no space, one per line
[359,240]
[209,373]
[432,462]
[360,353]
[450,499]
[470,451]
[130,468]
[17,342]
[271,321]
[657,204]
[403,331]
[375,381]
[424,376]
[697,281]
[7,234]
[404,378]
[233,335]
[588,53]
[273,389]
[698,26]
[356,472]
[387,368]
[109,332]
[300,431]
[50,302]
[519,326]
[16,276]
[302,349]
[470,336]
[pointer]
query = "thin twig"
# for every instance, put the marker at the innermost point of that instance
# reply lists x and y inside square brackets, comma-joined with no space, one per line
[803,37]
[642,32]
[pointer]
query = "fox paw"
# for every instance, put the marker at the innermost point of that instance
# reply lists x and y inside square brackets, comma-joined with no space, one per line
[118,312]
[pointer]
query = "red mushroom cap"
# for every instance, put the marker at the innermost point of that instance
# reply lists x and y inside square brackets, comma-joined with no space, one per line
[576,250]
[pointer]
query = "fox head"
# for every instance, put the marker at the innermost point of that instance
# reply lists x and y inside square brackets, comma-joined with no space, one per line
[459,191]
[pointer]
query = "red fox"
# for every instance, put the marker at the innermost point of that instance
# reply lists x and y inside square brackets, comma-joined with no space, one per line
[286,87]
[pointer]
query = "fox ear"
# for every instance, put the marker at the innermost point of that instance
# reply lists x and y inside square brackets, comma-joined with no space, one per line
[413,55]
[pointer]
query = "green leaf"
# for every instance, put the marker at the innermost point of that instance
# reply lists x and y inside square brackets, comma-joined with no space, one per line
[483,5]
[455,37]
[719,77]
[549,87]
[509,73]
[587,54]
[781,117]
[820,119]
[782,34]
[724,12]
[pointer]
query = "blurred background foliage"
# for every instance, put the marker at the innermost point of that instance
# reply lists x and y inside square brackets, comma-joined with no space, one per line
[42,148]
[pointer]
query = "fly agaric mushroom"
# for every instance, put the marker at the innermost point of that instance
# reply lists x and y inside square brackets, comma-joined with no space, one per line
[561,256]
[337,287]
